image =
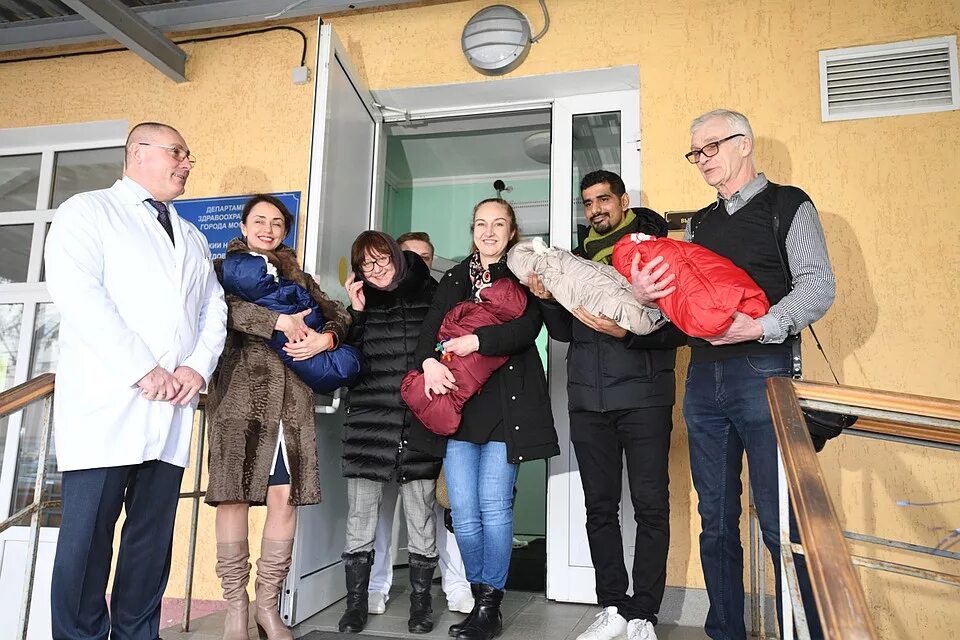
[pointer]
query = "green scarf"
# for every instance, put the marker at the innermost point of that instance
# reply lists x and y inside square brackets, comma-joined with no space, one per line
[599,247]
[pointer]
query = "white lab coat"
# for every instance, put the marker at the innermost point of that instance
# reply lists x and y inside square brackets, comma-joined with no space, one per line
[128,301]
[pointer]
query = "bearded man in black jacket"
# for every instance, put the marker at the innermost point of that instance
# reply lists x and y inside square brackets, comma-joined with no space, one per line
[621,390]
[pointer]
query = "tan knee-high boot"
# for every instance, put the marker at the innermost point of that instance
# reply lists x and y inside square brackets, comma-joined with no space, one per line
[272,568]
[233,569]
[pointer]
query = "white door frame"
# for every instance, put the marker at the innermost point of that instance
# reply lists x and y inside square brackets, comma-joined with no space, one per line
[315,580]
[330,51]
[570,576]
[567,94]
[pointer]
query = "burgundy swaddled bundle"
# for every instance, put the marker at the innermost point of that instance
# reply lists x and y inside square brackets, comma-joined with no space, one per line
[501,302]
[709,287]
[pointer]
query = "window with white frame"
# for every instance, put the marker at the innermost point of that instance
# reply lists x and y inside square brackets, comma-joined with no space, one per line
[40,168]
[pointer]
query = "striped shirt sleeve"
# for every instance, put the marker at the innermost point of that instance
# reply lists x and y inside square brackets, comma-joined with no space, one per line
[813,287]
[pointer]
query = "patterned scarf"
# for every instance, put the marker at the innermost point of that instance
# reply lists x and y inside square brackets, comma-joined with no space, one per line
[479,277]
[599,246]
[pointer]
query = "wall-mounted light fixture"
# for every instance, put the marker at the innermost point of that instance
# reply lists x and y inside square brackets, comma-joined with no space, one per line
[497,38]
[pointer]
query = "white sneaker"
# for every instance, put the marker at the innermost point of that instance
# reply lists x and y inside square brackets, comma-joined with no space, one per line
[608,625]
[376,602]
[463,604]
[640,629]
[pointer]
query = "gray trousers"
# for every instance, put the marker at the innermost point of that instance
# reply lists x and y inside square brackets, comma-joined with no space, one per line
[418,498]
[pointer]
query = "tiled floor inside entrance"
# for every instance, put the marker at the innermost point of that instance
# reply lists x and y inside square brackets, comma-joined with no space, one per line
[526,616]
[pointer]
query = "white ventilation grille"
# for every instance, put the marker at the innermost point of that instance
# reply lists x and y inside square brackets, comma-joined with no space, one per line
[918,76]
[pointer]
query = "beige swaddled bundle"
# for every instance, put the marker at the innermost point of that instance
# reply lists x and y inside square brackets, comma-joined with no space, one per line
[577,282]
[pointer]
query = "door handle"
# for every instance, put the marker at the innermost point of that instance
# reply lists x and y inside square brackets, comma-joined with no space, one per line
[334,405]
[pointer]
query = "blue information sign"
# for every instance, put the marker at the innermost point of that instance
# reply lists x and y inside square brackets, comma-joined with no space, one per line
[219,218]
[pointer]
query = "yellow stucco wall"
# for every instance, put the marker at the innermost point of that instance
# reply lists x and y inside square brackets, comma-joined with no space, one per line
[886,188]
[243,118]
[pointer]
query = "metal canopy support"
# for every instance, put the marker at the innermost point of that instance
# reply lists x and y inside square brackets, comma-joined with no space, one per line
[117,21]
[172,16]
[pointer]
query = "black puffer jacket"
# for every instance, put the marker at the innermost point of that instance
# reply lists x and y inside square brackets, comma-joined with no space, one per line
[378,422]
[606,373]
[516,393]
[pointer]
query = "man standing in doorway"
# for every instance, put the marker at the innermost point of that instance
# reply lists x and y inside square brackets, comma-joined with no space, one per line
[772,232]
[419,243]
[143,322]
[621,391]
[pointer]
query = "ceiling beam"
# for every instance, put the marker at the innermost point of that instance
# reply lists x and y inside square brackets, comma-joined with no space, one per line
[120,23]
[173,16]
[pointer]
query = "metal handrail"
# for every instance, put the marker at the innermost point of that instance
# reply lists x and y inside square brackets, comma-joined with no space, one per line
[39,389]
[194,496]
[892,416]
[42,388]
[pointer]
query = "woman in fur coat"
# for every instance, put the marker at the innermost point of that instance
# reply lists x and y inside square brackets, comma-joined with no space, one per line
[261,435]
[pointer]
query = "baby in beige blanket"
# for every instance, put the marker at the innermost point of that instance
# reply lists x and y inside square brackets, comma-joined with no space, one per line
[578,282]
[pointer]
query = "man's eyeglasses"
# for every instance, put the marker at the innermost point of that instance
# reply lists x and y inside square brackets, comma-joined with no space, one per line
[178,152]
[367,265]
[709,150]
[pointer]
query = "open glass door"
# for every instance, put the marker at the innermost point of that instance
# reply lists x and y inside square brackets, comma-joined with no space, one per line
[341,199]
[589,132]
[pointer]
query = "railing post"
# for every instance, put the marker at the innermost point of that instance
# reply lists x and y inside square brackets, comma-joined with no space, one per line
[38,498]
[194,518]
[758,590]
[786,605]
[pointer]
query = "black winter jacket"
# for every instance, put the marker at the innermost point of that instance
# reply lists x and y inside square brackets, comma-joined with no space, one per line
[520,385]
[378,422]
[609,374]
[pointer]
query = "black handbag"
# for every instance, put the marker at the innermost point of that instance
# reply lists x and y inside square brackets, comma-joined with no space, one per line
[822,425]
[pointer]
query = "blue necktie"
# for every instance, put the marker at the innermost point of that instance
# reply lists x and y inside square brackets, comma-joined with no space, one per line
[163,216]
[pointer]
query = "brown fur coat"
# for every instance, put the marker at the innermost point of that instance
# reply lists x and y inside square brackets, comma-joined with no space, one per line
[252,391]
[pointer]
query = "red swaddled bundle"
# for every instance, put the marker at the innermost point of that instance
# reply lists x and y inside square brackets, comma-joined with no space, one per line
[501,302]
[710,288]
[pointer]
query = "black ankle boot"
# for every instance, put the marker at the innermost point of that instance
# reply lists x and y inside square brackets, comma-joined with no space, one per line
[457,628]
[421,601]
[487,623]
[357,569]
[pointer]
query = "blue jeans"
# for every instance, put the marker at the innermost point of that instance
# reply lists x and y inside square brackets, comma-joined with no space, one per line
[480,485]
[727,414]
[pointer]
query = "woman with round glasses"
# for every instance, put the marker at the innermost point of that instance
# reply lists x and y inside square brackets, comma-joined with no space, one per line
[390,292]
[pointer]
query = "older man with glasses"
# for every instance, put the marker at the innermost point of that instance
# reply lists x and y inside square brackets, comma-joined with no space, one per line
[143,322]
[773,233]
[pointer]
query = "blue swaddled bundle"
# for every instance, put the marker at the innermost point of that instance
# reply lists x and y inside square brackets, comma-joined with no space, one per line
[251,277]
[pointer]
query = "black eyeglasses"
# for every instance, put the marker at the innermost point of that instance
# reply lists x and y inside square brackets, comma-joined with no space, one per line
[177,151]
[709,150]
[367,265]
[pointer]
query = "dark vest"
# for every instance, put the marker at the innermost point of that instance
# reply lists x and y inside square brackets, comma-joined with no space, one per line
[747,239]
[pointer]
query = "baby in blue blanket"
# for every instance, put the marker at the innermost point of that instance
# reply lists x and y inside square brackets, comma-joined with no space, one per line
[253,278]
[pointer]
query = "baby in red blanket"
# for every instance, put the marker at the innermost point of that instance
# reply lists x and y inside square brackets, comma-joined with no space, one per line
[709,287]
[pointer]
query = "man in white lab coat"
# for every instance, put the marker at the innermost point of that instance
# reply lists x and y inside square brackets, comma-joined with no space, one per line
[142,325]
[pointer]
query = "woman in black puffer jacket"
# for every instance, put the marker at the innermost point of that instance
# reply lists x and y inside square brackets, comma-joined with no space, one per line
[390,293]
